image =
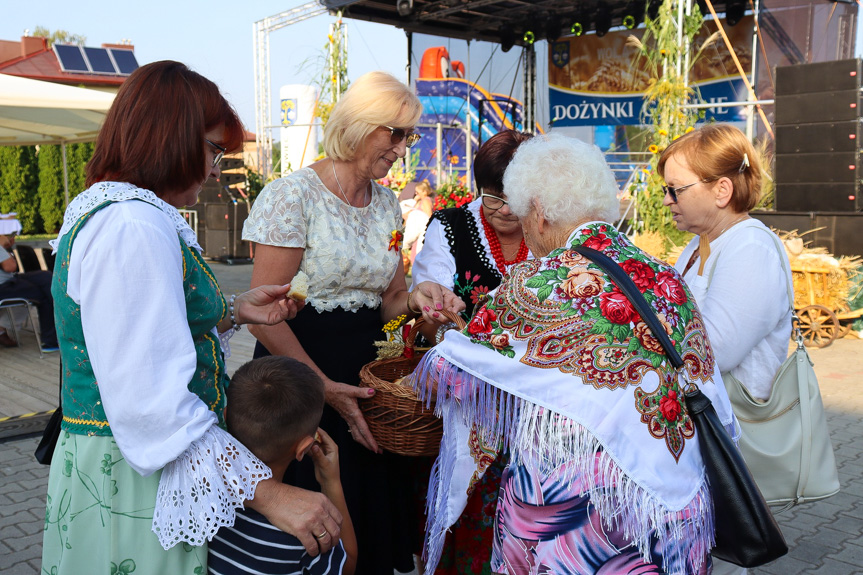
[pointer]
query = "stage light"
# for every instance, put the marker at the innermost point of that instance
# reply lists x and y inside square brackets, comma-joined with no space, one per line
[577,29]
[529,37]
[602,21]
[734,12]
[507,38]
[405,7]
[632,16]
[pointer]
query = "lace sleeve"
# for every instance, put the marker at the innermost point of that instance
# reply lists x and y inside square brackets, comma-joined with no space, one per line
[200,490]
[277,217]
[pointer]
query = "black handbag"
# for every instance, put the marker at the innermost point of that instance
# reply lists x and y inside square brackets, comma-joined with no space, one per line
[746,532]
[45,449]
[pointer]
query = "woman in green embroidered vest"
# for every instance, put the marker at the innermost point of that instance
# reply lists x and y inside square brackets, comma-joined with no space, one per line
[143,473]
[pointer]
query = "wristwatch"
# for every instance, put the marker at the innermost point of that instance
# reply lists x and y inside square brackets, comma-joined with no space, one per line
[438,336]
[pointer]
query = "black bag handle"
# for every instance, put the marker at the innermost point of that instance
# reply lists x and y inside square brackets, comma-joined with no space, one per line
[622,280]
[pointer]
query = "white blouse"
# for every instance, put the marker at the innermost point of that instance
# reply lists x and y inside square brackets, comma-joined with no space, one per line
[347,253]
[743,298]
[126,273]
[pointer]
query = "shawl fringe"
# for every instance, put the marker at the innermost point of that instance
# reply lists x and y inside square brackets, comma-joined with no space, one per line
[531,432]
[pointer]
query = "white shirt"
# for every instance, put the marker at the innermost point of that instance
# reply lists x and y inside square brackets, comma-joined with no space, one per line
[743,298]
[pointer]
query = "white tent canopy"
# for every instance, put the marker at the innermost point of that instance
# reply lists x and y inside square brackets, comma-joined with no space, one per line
[35,112]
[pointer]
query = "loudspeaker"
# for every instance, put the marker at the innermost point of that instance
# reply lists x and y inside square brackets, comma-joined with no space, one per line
[817,197]
[817,138]
[839,234]
[814,168]
[819,77]
[230,178]
[231,164]
[229,216]
[817,107]
[225,244]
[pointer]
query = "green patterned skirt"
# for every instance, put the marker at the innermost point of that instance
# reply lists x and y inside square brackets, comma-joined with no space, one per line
[99,516]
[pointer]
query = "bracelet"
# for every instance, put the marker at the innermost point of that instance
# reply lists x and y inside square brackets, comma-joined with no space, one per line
[411,309]
[234,325]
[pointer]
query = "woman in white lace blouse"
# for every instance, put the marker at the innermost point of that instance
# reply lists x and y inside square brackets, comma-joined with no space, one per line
[332,221]
[143,473]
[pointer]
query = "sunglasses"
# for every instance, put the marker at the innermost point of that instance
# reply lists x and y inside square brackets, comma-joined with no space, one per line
[674,191]
[219,155]
[399,134]
[492,202]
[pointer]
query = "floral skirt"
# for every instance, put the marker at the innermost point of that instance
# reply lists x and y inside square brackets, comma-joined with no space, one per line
[99,516]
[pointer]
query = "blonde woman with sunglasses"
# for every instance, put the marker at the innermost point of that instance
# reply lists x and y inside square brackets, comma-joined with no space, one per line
[335,223]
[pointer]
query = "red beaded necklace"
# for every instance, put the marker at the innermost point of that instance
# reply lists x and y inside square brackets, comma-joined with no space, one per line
[496,250]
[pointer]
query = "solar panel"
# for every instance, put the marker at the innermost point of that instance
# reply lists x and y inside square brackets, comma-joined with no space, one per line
[125,60]
[100,62]
[70,57]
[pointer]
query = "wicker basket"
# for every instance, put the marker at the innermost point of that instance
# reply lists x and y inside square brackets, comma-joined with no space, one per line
[395,416]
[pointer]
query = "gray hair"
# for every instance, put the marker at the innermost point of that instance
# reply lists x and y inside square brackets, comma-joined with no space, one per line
[568,178]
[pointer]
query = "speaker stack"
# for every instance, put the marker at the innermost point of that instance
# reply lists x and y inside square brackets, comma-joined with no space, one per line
[817,137]
[818,130]
[222,211]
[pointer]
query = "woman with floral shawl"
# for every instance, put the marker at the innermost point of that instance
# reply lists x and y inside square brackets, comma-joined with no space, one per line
[557,369]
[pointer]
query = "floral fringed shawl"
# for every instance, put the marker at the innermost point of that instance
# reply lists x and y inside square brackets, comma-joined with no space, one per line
[557,369]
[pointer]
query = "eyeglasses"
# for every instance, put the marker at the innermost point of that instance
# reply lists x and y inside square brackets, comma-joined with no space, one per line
[218,157]
[399,134]
[492,202]
[673,191]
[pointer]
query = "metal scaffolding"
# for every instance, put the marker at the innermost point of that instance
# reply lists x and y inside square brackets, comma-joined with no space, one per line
[263,103]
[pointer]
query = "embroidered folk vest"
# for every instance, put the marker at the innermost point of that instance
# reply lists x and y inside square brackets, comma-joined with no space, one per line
[463,235]
[205,307]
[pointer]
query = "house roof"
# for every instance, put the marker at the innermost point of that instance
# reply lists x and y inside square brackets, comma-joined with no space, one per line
[42,65]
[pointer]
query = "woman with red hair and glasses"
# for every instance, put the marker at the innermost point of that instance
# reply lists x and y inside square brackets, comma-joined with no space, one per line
[144,473]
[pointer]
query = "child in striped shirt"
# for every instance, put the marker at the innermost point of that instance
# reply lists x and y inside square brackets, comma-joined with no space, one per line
[274,408]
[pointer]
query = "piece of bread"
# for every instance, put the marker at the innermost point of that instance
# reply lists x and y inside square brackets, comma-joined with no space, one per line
[299,287]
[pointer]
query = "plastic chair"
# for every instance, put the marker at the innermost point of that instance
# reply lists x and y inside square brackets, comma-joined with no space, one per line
[12,303]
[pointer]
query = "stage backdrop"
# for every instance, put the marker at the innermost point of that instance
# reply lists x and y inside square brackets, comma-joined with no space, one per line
[597,81]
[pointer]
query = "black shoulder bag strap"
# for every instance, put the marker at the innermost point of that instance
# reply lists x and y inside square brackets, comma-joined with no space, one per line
[746,532]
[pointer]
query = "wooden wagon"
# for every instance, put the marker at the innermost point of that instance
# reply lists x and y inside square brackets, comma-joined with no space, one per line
[820,300]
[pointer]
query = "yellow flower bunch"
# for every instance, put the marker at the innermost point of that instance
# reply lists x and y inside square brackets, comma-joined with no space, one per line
[394,324]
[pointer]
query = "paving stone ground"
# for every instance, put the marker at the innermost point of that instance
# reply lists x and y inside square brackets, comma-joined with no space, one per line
[825,538]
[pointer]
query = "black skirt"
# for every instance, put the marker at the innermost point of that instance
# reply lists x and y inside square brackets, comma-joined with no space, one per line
[378,488]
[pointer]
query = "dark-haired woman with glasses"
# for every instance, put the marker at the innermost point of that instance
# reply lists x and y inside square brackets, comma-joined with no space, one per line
[736,267]
[334,222]
[468,250]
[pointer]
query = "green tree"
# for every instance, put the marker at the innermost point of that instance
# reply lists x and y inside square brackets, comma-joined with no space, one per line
[19,186]
[51,197]
[669,63]
[79,155]
[59,36]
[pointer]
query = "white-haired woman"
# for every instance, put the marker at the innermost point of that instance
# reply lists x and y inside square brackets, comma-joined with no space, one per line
[332,221]
[605,474]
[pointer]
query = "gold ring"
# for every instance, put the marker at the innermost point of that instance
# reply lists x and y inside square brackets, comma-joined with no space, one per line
[322,535]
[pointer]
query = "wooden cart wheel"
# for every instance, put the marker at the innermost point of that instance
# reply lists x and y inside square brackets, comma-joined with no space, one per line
[819,325]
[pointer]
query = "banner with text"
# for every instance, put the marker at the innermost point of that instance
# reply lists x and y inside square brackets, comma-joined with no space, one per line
[598,81]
